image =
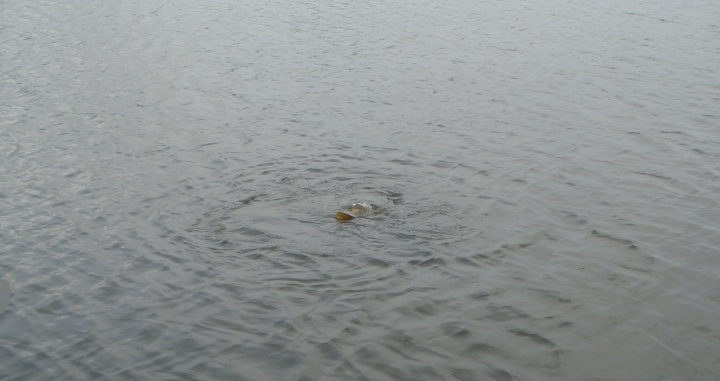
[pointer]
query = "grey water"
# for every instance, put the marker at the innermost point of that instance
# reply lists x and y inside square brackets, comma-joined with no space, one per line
[545,177]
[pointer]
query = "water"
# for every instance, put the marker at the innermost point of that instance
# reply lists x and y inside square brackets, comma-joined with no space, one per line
[546,177]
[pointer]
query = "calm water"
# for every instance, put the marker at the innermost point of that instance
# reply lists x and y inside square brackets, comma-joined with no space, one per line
[546,176]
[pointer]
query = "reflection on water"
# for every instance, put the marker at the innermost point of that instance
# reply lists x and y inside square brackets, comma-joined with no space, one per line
[544,178]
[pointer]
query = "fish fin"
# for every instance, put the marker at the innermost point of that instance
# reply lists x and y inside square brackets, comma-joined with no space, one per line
[343,216]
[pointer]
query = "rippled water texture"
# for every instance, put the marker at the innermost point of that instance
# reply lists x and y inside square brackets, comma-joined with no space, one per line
[545,177]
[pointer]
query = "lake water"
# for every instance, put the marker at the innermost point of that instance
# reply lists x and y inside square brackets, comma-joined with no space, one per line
[545,177]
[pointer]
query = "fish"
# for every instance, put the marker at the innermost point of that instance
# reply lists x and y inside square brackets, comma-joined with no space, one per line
[344,216]
[356,210]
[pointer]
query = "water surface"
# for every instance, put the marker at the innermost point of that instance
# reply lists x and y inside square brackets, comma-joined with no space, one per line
[546,177]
